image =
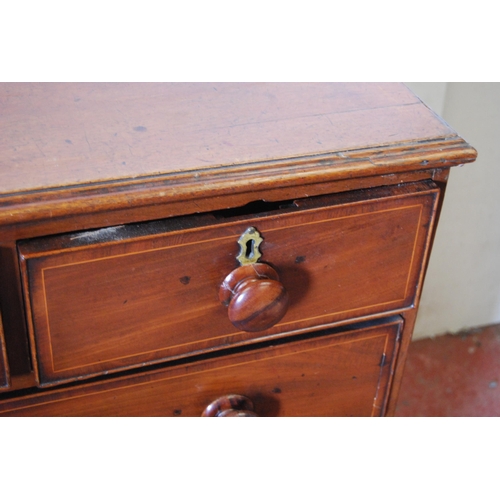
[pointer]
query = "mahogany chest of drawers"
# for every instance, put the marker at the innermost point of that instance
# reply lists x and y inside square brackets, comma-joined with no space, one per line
[216,249]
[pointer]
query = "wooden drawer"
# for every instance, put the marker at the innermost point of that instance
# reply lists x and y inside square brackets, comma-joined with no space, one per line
[334,373]
[128,296]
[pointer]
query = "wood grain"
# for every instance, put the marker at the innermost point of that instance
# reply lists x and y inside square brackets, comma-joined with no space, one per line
[334,375]
[255,298]
[69,133]
[72,148]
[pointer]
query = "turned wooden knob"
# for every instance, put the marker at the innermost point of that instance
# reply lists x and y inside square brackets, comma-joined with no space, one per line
[233,405]
[255,298]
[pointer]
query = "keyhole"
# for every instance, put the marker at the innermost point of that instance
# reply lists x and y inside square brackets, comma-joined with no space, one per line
[250,249]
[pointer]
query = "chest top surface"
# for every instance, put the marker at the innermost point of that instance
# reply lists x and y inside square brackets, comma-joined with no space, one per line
[64,134]
[70,148]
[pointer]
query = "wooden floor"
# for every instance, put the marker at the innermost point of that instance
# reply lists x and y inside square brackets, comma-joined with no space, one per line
[453,376]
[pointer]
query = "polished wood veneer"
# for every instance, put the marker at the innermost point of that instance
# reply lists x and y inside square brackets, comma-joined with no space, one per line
[121,207]
[331,375]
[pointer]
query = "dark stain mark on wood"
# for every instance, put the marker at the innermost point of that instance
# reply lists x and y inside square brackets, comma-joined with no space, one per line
[140,128]
[382,361]
[354,377]
[185,280]
[177,412]
[276,390]
[299,259]
[125,301]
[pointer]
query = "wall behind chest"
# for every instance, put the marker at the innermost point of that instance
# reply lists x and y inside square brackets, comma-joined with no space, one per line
[462,287]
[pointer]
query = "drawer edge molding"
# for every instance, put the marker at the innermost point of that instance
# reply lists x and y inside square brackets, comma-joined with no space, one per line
[213,183]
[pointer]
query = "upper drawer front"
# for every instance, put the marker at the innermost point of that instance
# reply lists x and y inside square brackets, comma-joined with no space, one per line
[333,374]
[126,296]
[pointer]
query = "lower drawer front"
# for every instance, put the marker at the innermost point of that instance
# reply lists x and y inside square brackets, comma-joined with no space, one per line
[332,374]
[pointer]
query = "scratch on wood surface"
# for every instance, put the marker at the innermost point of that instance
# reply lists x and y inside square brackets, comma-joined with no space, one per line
[39,149]
[88,143]
[98,233]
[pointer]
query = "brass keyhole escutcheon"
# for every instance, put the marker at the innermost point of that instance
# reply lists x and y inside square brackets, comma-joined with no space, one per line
[249,247]
[255,297]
